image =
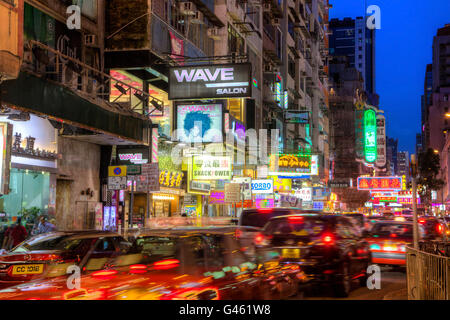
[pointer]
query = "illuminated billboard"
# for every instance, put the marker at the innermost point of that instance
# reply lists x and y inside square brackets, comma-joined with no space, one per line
[199,122]
[210,81]
[211,168]
[370,136]
[380,183]
[291,164]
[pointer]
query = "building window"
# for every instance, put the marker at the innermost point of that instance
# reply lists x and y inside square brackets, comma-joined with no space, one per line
[235,41]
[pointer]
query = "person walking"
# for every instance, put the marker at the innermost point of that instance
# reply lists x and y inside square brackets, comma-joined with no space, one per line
[17,233]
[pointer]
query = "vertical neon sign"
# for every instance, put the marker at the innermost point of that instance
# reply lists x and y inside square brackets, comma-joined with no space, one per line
[370,136]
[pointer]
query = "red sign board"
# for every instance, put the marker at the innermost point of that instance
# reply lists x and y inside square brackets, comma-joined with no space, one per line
[379,183]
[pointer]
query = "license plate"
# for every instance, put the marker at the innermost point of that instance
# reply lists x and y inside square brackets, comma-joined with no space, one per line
[28,269]
[290,253]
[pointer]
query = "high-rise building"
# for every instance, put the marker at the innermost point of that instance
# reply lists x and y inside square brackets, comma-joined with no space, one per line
[419,143]
[403,164]
[426,103]
[391,154]
[351,38]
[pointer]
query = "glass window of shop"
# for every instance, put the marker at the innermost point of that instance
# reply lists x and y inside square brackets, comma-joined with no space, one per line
[28,189]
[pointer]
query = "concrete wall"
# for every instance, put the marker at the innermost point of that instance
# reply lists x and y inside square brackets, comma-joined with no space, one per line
[78,169]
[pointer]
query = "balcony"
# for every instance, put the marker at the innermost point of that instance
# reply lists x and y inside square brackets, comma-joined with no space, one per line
[69,91]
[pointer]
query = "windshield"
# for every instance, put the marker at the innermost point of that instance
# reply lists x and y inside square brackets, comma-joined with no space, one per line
[43,242]
[259,218]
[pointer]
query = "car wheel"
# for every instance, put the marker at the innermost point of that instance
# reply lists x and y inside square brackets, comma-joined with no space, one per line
[343,285]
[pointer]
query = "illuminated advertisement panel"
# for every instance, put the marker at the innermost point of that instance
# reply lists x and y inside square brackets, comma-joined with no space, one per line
[199,122]
[370,136]
[210,81]
[290,164]
[211,168]
[380,183]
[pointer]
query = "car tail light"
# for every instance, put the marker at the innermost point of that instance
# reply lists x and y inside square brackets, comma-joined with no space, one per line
[166,264]
[328,238]
[265,210]
[439,228]
[138,268]
[422,221]
[296,219]
[259,239]
[393,235]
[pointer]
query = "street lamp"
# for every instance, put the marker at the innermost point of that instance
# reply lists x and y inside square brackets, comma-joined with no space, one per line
[447,114]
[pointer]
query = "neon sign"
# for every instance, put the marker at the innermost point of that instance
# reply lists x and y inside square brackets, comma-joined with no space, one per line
[380,183]
[370,136]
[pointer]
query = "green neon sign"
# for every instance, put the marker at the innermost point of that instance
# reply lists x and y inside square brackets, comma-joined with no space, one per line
[370,135]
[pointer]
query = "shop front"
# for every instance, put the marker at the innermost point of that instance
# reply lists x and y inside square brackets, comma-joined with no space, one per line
[33,168]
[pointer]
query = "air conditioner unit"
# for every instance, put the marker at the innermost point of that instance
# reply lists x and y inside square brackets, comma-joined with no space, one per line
[90,40]
[267,7]
[197,18]
[187,8]
[213,33]
[276,22]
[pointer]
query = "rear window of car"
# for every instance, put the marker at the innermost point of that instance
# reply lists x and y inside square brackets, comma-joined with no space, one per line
[299,226]
[260,218]
[387,229]
[155,247]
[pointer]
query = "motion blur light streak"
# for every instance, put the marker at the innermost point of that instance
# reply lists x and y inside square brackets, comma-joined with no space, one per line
[166,264]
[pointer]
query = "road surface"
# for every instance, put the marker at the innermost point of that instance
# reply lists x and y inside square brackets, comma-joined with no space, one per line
[393,286]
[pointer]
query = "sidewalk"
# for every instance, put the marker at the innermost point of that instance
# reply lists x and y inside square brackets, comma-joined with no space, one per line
[401,294]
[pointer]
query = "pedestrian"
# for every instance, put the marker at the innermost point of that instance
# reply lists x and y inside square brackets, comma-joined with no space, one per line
[17,233]
[44,226]
[7,240]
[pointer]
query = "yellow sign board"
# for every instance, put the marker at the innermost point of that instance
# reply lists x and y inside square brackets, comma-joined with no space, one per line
[117,171]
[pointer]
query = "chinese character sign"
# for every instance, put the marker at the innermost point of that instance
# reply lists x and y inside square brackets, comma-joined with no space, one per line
[379,183]
[370,136]
[359,141]
[292,163]
[211,168]
[381,141]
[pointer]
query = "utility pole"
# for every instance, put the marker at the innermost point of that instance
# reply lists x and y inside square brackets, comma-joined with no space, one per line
[414,200]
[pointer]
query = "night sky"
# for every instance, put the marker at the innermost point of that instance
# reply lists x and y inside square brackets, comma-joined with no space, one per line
[403,49]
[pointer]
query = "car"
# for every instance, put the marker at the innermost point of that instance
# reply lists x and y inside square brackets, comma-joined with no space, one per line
[254,220]
[37,256]
[191,264]
[388,241]
[434,228]
[328,248]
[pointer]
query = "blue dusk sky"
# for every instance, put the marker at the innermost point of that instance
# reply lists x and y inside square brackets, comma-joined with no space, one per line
[403,49]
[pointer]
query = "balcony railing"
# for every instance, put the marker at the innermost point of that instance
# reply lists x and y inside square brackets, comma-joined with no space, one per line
[87,82]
